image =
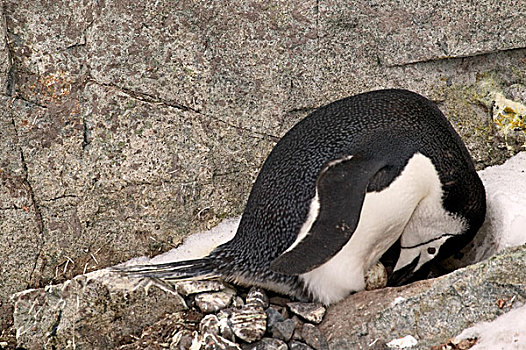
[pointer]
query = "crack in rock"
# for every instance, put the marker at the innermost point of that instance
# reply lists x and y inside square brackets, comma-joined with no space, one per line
[149,98]
[9,72]
[84,40]
[437,59]
[38,213]
[60,197]
[145,97]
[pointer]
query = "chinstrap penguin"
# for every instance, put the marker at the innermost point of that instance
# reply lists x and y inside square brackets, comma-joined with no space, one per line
[379,176]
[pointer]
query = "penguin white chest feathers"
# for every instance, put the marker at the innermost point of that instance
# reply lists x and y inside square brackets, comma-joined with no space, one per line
[380,176]
[409,209]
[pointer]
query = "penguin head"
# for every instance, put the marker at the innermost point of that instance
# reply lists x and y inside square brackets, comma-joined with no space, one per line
[415,261]
[442,224]
[431,235]
[421,253]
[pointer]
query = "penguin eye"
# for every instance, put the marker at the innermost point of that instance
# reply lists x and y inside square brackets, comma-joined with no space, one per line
[431,250]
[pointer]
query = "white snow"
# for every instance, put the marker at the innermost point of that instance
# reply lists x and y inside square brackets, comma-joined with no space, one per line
[505,224]
[505,227]
[402,343]
[507,331]
[200,244]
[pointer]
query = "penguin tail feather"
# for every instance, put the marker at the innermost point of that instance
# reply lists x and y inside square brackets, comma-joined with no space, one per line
[198,269]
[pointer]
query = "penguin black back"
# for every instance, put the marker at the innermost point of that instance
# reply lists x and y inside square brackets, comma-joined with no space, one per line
[378,124]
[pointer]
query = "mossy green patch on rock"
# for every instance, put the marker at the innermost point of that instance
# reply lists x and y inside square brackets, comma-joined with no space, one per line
[509,118]
[464,104]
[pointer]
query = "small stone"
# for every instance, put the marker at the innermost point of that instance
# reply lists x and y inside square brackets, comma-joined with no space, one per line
[376,277]
[257,296]
[279,300]
[283,330]
[224,324]
[213,302]
[298,328]
[402,343]
[314,337]
[273,316]
[268,344]
[185,340]
[225,313]
[238,302]
[297,335]
[249,323]
[209,324]
[312,312]
[194,287]
[296,345]
[285,313]
[181,340]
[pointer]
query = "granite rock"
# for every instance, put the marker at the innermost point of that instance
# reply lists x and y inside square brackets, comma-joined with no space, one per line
[273,317]
[194,287]
[297,345]
[269,344]
[99,310]
[257,297]
[432,312]
[313,337]
[309,311]
[215,301]
[249,323]
[283,330]
[209,324]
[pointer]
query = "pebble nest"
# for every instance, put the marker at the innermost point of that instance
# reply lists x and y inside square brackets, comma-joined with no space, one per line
[221,316]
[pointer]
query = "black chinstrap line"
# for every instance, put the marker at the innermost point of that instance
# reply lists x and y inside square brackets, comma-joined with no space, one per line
[426,242]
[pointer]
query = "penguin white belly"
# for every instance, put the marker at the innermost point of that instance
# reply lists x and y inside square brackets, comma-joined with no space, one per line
[383,217]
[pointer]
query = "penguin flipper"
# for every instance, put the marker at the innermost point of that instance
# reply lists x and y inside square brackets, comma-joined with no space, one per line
[341,187]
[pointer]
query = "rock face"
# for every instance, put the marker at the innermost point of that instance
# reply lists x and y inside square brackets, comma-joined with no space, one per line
[429,313]
[126,125]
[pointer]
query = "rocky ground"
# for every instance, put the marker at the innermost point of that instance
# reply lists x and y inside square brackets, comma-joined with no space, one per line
[102,310]
[221,317]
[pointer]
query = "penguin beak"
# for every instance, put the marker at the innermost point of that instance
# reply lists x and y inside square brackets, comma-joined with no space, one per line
[403,275]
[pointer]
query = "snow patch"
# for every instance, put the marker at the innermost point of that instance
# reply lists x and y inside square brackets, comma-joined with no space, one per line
[200,244]
[506,207]
[507,331]
[402,343]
